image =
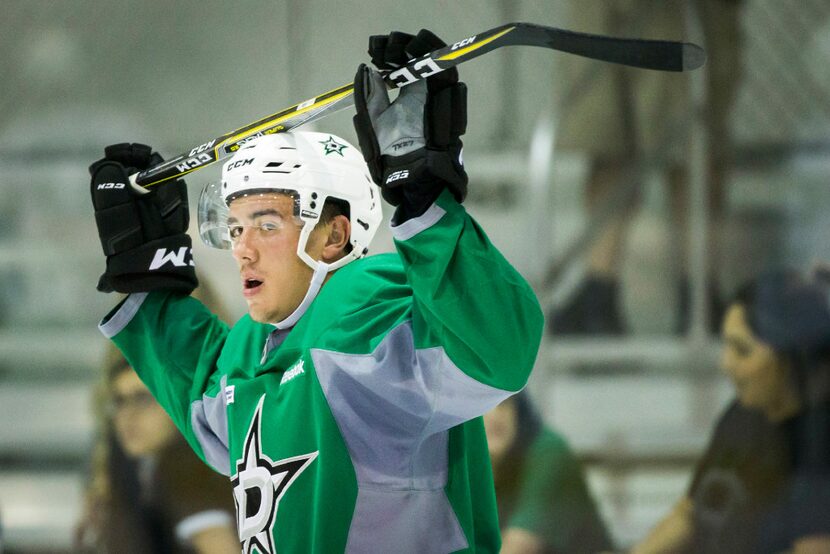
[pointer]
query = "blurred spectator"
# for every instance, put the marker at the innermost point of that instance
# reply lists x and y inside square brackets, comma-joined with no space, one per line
[543,501]
[148,491]
[763,484]
[623,118]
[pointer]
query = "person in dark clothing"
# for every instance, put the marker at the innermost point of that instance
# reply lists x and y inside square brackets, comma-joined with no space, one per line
[762,485]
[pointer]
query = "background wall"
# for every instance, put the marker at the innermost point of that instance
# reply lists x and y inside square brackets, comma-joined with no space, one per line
[76,75]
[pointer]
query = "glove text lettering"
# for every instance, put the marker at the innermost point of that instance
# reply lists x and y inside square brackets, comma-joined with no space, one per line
[178,258]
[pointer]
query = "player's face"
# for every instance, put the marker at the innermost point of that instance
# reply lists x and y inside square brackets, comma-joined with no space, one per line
[265,233]
[141,426]
[762,380]
[500,424]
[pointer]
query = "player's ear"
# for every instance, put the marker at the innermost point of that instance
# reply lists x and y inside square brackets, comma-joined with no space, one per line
[339,231]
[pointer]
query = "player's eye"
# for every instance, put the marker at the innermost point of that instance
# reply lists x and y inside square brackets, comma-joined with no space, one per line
[235,231]
[269,227]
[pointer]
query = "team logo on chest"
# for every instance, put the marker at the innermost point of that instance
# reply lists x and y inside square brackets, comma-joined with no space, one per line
[258,486]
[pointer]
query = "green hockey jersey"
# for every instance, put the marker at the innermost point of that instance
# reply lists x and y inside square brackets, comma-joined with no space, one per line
[359,429]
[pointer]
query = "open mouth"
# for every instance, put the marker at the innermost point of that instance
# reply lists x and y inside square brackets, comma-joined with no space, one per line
[252,283]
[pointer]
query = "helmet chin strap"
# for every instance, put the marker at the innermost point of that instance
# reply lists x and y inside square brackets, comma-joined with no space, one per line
[321,269]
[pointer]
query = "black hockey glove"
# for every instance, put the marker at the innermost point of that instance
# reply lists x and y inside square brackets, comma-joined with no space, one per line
[144,236]
[413,145]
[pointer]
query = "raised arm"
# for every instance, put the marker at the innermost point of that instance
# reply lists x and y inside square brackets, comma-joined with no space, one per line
[170,339]
[469,304]
[467,298]
[173,343]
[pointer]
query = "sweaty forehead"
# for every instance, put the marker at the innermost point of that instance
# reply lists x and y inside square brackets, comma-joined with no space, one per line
[257,205]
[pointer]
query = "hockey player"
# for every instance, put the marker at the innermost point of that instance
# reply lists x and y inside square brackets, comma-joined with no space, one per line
[345,406]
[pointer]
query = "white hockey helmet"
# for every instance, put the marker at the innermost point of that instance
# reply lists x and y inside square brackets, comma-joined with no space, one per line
[311,167]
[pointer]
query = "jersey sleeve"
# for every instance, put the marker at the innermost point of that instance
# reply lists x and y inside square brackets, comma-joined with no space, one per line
[173,343]
[471,309]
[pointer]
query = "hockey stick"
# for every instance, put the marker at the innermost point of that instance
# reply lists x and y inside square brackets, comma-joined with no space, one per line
[649,54]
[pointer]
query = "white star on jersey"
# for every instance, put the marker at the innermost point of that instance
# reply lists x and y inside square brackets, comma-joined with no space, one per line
[258,485]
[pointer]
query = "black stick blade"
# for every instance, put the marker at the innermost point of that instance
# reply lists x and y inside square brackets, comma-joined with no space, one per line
[693,56]
[659,55]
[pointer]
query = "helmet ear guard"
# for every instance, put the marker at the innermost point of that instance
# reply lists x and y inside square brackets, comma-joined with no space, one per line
[313,167]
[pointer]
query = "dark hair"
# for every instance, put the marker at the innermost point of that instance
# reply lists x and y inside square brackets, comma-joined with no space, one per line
[334,207]
[787,311]
[127,521]
[528,424]
[790,312]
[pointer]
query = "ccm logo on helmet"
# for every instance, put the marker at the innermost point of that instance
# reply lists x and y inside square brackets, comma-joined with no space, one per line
[105,186]
[239,163]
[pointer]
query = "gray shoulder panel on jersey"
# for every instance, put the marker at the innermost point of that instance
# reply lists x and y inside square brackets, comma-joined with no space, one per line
[412,227]
[395,402]
[115,322]
[394,408]
[209,417]
[429,524]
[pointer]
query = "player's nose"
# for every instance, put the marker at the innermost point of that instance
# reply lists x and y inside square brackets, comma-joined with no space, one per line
[243,247]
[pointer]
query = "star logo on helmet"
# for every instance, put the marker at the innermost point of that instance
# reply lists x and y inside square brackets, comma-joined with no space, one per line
[332,146]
